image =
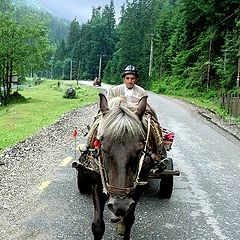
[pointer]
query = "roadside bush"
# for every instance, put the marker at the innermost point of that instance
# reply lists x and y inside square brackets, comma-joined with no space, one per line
[158,86]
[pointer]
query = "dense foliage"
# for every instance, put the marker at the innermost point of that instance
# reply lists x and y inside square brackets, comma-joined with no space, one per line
[196,44]
[24,44]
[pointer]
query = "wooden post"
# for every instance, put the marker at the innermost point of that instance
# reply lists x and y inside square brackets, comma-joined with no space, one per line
[151,57]
[224,63]
[209,63]
[71,69]
[78,74]
[100,68]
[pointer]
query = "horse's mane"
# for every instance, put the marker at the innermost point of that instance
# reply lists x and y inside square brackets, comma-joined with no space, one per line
[126,101]
[120,120]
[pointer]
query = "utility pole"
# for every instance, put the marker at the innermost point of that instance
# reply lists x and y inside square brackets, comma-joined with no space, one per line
[100,68]
[238,70]
[238,66]
[151,56]
[51,73]
[63,73]
[78,74]
[209,63]
[225,61]
[52,58]
[71,69]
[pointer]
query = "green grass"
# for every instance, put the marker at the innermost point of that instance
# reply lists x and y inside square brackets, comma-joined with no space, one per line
[214,107]
[44,105]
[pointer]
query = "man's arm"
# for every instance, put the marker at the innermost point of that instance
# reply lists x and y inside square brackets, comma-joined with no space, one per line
[139,92]
[114,92]
[110,94]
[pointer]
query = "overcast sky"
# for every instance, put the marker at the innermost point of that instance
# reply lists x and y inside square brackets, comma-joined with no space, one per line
[82,9]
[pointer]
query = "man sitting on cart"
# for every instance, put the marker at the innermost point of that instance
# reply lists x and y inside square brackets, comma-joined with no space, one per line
[130,93]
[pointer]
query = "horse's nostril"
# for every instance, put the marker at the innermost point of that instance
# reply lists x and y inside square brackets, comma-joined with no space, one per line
[110,206]
[131,204]
[120,212]
[120,206]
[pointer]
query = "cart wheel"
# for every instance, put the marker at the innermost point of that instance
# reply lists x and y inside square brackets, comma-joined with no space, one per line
[166,183]
[83,183]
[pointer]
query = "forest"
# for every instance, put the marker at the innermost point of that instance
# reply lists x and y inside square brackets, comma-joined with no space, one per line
[180,47]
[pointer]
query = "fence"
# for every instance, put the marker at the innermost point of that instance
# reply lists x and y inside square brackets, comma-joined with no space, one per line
[231,102]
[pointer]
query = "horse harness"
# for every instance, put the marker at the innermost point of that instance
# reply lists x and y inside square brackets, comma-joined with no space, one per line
[94,163]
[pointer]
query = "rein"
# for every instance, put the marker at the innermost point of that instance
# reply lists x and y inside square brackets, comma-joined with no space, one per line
[144,151]
[107,188]
[103,178]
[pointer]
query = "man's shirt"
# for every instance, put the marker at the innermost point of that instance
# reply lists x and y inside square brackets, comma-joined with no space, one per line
[136,92]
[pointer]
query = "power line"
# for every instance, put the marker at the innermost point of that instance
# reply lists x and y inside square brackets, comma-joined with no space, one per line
[216,24]
[227,17]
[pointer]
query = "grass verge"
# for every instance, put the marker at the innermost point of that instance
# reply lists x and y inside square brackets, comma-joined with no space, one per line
[44,104]
[206,99]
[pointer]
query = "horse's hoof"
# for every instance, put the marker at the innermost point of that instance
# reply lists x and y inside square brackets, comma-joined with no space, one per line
[121,227]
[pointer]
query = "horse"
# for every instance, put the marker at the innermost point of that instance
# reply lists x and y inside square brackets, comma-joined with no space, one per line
[125,155]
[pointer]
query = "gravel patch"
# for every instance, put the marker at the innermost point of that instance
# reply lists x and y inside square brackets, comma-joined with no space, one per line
[228,126]
[25,165]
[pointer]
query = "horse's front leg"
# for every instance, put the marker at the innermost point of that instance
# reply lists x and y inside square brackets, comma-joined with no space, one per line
[128,222]
[99,200]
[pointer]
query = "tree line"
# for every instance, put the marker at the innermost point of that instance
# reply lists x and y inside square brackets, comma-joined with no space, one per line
[195,44]
[86,45]
[185,46]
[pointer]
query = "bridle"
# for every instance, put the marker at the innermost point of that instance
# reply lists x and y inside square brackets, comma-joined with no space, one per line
[120,191]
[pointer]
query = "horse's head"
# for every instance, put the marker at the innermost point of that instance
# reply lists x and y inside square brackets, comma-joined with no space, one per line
[122,143]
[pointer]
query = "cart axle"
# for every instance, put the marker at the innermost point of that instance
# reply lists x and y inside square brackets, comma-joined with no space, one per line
[156,174]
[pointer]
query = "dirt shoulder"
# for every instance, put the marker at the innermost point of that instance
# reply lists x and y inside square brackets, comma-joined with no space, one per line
[228,126]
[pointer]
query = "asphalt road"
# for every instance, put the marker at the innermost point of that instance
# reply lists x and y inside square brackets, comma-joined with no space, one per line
[204,205]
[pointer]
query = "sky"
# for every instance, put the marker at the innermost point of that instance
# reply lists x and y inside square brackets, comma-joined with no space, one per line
[82,9]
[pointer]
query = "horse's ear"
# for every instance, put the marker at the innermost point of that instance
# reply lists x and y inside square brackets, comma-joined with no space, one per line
[142,104]
[103,103]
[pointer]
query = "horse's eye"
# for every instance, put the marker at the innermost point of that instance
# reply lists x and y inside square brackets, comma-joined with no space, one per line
[139,153]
